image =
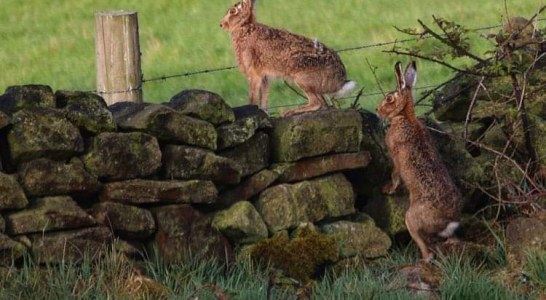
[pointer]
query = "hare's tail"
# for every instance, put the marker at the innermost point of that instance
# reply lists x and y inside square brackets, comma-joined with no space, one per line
[347,87]
[449,230]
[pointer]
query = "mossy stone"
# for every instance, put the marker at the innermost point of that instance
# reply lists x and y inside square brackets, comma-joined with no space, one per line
[41,133]
[4,120]
[48,214]
[122,156]
[316,133]
[70,246]
[12,195]
[287,205]
[31,96]
[241,223]
[184,162]
[358,238]
[170,126]
[388,211]
[129,222]
[10,251]
[203,105]
[45,177]
[86,110]
[252,156]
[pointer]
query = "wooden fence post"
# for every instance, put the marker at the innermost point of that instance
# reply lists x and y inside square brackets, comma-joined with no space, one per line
[119,77]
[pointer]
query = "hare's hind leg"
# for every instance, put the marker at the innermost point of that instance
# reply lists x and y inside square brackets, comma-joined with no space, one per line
[264,93]
[414,231]
[316,102]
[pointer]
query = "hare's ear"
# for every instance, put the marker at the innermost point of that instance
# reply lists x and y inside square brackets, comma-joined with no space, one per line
[400,79]
[249,3]
[411,74]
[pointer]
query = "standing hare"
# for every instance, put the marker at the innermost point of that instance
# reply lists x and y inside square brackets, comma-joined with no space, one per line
[434,200]
[264,52]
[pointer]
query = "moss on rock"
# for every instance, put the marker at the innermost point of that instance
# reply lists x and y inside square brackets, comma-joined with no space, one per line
[203,105]
[241,223]
[41,133]
[301,257]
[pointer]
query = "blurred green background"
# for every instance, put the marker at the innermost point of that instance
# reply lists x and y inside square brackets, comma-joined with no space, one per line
[52,42]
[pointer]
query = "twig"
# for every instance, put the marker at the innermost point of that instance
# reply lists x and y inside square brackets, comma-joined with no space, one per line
[443,63]
[487,148]
[373,69]
[355,103]
[448,41]
[471,107]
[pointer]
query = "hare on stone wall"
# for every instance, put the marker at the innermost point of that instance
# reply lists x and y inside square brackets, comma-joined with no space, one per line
[434,200]
[264,52]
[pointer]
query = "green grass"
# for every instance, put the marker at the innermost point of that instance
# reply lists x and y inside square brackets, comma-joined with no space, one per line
[459,277]
[52,42]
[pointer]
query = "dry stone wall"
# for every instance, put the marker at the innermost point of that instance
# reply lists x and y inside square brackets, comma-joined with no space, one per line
[191,176]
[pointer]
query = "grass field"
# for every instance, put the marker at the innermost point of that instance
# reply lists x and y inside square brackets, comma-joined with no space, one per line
[457,277]
[52,42]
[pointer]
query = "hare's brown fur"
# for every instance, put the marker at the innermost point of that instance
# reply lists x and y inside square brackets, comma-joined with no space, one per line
[264,52]
[434,207]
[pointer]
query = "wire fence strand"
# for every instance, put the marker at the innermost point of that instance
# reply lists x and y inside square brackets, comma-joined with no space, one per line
[353,48]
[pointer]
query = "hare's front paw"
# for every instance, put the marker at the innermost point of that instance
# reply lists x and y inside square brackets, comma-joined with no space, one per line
[389,188]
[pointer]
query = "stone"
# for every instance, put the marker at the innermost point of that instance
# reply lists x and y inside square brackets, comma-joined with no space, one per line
[88,111]
[388,211]
[316,133]
[48,214]
[4,120]
[139,191]
[319,166]
[249,119]
[358,238]
[171,126]
[12,195]
[21,97]
[254,112]
[10,251]
[184,162]
[182,231]
[287,205]
[128,222]
[203,105]
[378,170]
[525,236]
[122,156]
[241,223]
[45,177]
[131,249]
[236,133]
[70,246]
[452,101]
[43,133]
[247,189]
[252,155]
[121,111]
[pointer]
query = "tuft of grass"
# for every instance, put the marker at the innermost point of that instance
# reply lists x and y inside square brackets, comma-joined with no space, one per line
[463,280]
[52,42]
[113,276]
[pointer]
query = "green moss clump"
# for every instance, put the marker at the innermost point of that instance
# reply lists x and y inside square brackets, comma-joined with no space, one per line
[302,257]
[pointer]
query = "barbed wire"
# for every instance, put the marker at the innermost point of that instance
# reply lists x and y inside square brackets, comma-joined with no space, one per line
[353,48]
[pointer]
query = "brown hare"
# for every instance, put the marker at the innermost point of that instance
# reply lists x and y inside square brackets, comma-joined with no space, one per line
[434,200]
[264,52]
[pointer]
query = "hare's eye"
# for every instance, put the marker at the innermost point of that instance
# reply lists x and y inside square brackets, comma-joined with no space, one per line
[232,11]
[390,98]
